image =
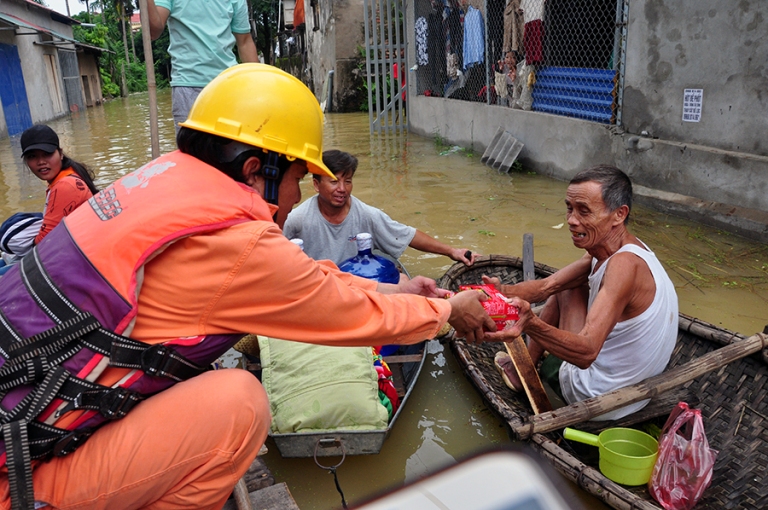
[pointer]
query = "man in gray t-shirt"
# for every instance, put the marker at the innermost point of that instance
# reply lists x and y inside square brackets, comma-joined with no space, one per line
[329,221]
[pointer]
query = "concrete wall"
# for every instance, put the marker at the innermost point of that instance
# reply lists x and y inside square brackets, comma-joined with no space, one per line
[719,46]
[715,170]
[335,47]
[321,44]
[41,93]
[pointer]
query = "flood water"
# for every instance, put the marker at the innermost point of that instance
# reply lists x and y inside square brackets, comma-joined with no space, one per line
[449,194]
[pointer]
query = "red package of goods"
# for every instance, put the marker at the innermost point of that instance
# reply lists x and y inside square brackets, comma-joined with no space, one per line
[496,305]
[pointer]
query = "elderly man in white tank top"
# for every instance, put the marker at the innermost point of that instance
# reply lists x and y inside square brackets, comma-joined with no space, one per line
[610,318]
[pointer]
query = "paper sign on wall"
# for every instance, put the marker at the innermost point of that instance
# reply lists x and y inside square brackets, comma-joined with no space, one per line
[692,101]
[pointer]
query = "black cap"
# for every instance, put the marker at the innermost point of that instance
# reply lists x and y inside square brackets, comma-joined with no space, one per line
[39,137]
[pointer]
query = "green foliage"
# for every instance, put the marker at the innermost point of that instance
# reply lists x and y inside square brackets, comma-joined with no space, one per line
[107,34]
[95,36]
[440,142]
[136,77]
[383,80]
[386,82]
[108,87]
[264,13]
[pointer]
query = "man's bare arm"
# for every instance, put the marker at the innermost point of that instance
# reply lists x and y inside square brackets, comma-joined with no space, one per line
[425,242]
[571,276]
[157,18]
[246,48]
[617,294]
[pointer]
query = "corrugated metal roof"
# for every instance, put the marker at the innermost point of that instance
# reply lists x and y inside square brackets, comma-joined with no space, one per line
[15,20]
[55,15]
[22,23]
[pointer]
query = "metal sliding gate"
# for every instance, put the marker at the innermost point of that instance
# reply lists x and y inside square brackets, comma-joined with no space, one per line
[385,59]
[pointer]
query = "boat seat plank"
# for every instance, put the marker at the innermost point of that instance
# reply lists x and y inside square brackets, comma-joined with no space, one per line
[274,497]
[403,358]
[258,476]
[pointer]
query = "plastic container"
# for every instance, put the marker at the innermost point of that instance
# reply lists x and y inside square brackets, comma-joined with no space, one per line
[374,267]
[368,265]
[627,456]
[298,242]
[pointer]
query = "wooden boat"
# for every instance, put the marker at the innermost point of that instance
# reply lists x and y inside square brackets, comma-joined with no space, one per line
[732,399]
[406,365]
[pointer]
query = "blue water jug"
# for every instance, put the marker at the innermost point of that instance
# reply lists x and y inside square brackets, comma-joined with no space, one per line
[369,265]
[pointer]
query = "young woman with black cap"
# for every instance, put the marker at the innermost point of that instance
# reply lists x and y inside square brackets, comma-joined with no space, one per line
[69,183]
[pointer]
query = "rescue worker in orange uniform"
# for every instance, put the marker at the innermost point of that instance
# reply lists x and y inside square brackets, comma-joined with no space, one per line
[109,324]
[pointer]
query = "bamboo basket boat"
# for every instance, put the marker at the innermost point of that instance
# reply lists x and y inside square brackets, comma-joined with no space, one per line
[730,389]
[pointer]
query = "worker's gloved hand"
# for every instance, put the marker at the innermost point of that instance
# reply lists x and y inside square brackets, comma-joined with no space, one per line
[469,318]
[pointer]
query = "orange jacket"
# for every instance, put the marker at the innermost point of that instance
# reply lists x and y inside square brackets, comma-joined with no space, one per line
[241,277]
[61,198]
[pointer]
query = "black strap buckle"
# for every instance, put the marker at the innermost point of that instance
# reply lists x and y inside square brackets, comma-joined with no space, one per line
[71,442]
[155,359]
[117,402]
[270,172]
[270,169]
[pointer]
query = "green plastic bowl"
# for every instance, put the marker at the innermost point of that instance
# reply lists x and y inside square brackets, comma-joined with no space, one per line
[627,456]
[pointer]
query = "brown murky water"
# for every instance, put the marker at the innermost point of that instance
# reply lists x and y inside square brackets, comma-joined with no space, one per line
[451,195]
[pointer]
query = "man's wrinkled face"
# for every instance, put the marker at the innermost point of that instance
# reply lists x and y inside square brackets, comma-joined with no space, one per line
[289,192]
[334,192]
[589,220]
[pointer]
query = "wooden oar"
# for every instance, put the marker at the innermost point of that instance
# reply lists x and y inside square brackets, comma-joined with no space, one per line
[518,351]
[651,387]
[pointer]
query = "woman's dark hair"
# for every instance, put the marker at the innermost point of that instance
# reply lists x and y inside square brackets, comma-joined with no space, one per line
[615,186]
[81,170]
[209,149]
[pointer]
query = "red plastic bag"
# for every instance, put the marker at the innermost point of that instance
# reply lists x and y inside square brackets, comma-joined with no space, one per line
[685,463]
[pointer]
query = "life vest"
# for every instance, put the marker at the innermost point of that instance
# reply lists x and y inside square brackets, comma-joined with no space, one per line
[67,310]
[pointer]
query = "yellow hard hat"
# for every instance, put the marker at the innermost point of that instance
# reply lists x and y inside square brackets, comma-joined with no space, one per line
[263,106]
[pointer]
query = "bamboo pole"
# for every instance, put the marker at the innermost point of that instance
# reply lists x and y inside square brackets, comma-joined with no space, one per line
[149,62]
[592,407]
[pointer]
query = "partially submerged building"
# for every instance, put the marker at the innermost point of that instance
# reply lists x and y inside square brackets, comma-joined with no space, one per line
[675,93]
[334,40]
[44,72]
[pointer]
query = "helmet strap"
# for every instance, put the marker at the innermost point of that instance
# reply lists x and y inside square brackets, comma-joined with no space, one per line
[272,177]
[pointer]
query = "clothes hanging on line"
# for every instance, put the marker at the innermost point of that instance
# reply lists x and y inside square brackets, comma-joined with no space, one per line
[474,38]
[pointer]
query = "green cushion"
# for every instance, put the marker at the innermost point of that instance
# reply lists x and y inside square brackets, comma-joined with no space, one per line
[316,388]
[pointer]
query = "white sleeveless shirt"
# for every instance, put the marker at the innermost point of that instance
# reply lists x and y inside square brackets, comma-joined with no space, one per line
[636,349]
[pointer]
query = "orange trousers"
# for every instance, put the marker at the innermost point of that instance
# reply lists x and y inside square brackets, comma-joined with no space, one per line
[184,448]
